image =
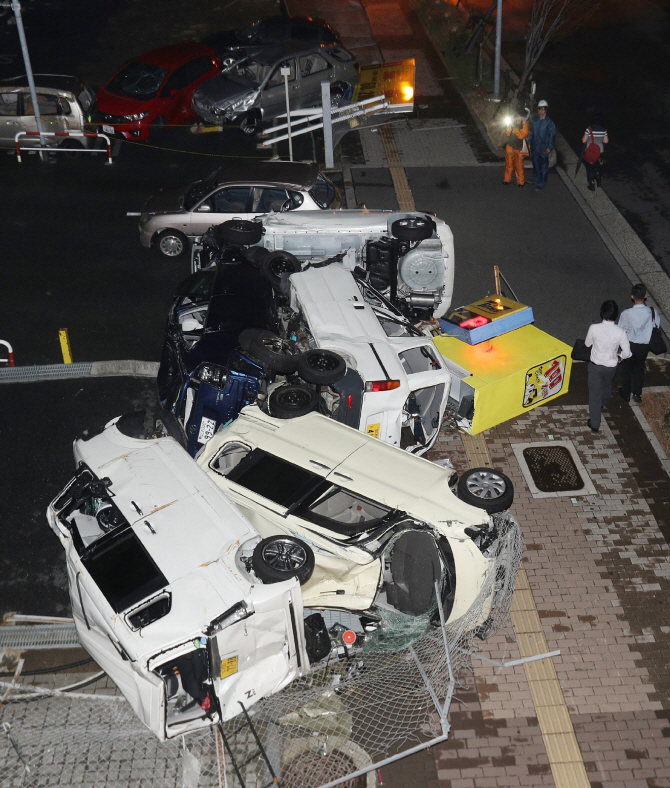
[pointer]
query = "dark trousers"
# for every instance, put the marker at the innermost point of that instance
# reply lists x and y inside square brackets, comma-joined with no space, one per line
[540,169]
[632,370]
[593,171]
[600,391]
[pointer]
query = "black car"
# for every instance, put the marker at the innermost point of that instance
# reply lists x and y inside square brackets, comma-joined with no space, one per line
[229,44]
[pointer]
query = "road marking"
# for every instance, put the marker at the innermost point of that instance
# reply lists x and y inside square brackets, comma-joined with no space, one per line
[398,174]
[558,733]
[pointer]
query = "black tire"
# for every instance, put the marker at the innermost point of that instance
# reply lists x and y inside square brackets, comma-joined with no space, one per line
[280,355]
[321,367]
[157,129]
[171,244]
[292,401]
[278,263]
[241,232]
[486,489]
[71,143]
[251,122]
[413,228]
[279,558]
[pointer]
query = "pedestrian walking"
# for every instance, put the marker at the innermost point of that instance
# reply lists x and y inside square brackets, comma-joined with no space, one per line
[609,344]
[516,150]
[541,139]
[595,138]
[638,322]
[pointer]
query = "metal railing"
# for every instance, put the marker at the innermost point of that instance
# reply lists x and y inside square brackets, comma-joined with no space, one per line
[59,149]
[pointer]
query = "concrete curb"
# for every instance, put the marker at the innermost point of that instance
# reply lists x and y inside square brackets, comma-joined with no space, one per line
[88,369]
[656,444]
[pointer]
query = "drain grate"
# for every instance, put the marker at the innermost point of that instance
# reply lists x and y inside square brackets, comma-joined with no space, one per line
[553,469]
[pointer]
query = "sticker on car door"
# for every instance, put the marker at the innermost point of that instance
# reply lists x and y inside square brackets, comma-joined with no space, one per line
[373,429]
[228,667]
[207,427]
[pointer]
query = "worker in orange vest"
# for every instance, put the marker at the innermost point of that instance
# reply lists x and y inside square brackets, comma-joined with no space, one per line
[516,149]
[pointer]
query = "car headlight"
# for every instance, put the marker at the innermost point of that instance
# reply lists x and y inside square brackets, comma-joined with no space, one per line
[137,116]
[234,614]
[212,374]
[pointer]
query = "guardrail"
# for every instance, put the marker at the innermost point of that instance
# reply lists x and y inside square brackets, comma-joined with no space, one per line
[63,150]
[10,354]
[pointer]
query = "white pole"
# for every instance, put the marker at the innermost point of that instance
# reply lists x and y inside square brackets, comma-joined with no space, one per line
[327,125]
[285,71]
[29,71]
[496,72]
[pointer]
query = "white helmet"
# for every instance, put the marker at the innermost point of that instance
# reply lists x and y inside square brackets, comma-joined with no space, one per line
[542,103]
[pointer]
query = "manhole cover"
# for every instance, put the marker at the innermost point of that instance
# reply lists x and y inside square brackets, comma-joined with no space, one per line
[553,469]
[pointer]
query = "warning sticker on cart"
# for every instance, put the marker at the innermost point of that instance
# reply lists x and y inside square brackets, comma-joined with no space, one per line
[373,429]
[543,381]
[228,667]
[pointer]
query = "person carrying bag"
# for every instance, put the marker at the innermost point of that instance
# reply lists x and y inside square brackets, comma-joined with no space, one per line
[595,138]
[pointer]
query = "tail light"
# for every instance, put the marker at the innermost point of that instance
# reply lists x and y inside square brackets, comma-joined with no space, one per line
[382,385]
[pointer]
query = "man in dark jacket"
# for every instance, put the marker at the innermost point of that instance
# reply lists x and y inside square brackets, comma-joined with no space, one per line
[541,138]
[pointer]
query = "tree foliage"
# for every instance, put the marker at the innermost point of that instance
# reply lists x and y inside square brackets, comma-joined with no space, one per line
[551,20]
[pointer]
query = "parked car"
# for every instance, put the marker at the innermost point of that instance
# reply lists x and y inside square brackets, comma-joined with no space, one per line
[230,45]
[363,526]
[65,105]
[159,597]
[154,90]
[252,90]
[319,339]
[177,214]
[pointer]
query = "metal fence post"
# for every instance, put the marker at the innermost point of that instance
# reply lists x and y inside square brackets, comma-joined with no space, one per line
[327,125]
[16,7]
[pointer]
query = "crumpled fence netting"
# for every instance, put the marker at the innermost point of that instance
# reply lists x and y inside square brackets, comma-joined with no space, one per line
[347,714]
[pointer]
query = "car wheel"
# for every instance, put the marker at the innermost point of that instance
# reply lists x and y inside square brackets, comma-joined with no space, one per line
[157,129]
[413,228]
[250,123]
[171,243]
[486,489]
[292,401]
[321,367]
[241,232]
[278,263]
[279,558]
[71,143]
[280,355]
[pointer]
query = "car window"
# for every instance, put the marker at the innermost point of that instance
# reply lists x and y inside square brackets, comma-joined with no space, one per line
[273,478]
[297,199]
[48,105]
[336,506]
[233,199]
[65,108]
[9,103]
[199,189]
[340,53]
[302,32]
[323,192]
[138,80]
[178,80]
[198,286]
[419,359]
[270,200]
[313,64]
[200,66]
[277,78]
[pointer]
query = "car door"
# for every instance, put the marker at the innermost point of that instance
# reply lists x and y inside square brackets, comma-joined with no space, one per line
[225,203]
[314,69]
[176,95]
[51,115]
[10,123]
[273,92]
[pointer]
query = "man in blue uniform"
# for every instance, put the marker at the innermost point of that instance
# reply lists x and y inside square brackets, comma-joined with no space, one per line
[541,138]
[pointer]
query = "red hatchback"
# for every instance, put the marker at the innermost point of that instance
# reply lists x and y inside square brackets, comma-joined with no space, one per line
[155,90]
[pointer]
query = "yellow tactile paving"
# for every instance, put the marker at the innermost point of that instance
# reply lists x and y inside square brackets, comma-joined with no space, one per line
[558,734]
[400,183]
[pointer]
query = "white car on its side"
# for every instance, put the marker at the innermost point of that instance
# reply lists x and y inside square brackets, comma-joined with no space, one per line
[364,526]
[159,596]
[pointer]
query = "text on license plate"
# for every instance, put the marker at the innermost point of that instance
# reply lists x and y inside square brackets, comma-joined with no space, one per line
[107,129]
[207,427]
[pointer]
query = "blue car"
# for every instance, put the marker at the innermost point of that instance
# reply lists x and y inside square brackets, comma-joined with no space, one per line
[221,346]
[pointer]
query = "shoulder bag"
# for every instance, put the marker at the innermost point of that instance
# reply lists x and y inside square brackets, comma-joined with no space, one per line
[592,152]
[580,352]
[656,343]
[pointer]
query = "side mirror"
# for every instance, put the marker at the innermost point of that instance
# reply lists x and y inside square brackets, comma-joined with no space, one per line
[286,206]
[204,208]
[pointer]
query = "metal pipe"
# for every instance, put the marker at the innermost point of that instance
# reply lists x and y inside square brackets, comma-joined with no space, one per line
[496,73]
[327,125]
[285,71]
[16,7]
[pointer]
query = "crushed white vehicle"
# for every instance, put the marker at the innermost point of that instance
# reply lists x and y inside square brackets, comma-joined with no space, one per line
[159,596]
[364,526]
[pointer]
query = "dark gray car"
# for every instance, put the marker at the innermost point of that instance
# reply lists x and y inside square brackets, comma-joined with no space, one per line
[252,90]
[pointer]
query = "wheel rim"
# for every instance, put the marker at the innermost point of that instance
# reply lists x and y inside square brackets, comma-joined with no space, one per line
[414,221]
[278,346]
[284,555]
[171,245]
[486,484]
[323,362]
[282,266]
[295,399]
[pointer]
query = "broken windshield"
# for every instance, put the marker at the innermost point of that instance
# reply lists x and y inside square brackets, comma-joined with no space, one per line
[138,80]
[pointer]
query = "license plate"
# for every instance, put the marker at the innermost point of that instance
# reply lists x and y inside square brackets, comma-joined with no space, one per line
[107,129]
[207,427]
